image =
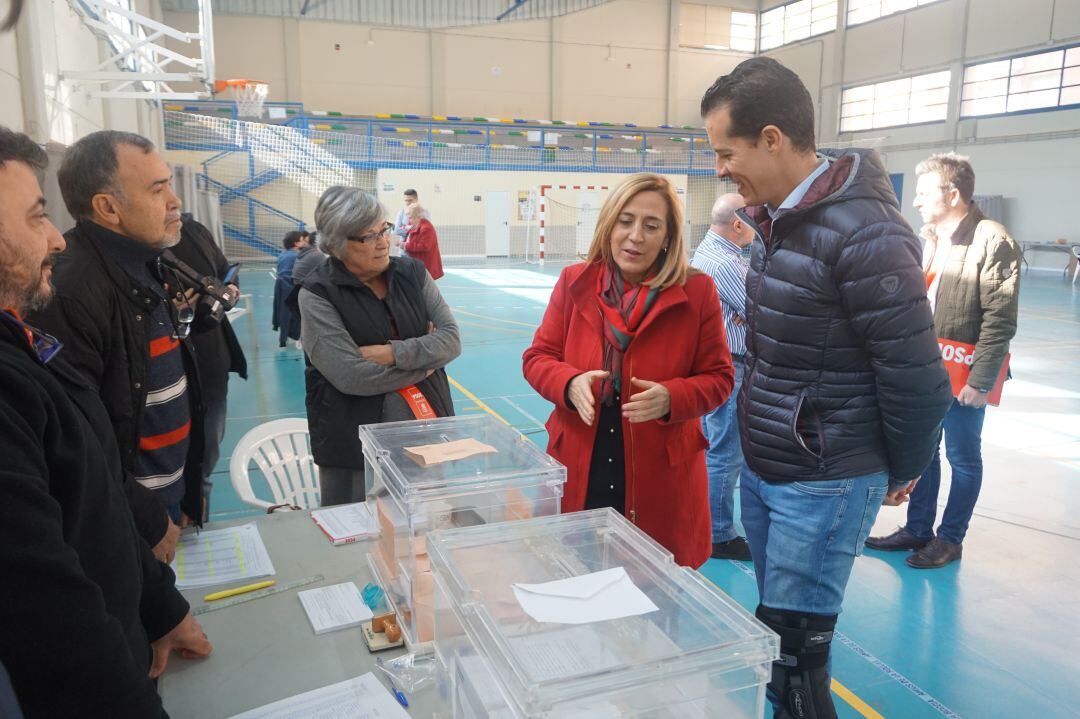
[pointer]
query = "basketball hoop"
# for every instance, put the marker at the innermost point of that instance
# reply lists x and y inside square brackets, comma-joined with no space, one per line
[249,94]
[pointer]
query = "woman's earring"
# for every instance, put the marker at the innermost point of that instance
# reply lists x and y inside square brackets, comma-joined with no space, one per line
[665,249]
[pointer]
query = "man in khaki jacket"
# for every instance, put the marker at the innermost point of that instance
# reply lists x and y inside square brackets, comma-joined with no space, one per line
[973,278]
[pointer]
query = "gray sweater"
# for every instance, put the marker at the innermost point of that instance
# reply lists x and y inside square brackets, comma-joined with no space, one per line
[332,351]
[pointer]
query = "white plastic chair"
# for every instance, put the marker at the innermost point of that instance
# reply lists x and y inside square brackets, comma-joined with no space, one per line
[1076,257]
[281,451]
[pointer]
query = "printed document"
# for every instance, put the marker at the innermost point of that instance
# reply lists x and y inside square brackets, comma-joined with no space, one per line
[347,522]
[360,698]
[218,556]
[338,606]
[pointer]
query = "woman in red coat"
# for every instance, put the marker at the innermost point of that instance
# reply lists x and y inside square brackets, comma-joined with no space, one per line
[422,243]
[632,353]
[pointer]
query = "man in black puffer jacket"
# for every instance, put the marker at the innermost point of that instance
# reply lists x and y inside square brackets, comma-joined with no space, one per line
[844,388]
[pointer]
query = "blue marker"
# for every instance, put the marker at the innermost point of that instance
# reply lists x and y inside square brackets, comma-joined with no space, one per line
[393,687]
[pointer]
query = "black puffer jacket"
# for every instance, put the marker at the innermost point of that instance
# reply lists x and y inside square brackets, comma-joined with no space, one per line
[843,377]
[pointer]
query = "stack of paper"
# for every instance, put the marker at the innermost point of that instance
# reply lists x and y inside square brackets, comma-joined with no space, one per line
[219,556]
[346,523]
[360,698]
[427,455]
[338,606]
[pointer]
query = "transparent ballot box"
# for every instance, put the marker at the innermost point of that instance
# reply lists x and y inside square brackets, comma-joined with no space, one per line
[682,649]
[423,475]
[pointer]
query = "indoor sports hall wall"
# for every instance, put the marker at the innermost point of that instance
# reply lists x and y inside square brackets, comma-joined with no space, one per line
[267,179]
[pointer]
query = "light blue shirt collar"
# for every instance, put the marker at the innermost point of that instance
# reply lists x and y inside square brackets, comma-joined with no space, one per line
[800,190]
[722,242]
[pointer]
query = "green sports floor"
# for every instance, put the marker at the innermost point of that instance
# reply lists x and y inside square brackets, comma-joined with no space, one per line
[993,635]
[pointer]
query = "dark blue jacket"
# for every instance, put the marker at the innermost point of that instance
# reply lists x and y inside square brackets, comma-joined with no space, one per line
[843,373]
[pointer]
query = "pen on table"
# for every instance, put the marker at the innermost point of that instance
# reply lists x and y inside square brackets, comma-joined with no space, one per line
[238,590]
[393,687]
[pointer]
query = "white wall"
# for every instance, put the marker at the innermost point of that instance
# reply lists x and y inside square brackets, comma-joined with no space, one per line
[11,110]
[65,111]
[618,62]
[1034,174]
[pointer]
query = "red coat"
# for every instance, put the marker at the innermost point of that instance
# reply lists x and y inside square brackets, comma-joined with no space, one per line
[423,244]
[680,344]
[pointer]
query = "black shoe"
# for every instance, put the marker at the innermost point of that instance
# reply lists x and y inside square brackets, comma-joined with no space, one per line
[900,540]
[936,554]
[732,549]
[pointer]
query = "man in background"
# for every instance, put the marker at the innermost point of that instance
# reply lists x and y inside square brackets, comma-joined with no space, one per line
[403,225]
[972,269]
[284,320]
[720,256]
[217,351]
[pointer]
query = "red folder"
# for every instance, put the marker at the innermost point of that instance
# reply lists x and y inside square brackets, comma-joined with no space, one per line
[959,356]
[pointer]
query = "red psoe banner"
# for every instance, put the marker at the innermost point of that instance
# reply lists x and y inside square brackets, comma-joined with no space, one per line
[958,357]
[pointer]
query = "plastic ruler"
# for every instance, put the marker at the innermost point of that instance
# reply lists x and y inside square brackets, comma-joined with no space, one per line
[258,594]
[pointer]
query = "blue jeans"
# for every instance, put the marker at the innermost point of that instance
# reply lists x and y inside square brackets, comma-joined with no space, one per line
[724,458]
[963,448]
[804,536]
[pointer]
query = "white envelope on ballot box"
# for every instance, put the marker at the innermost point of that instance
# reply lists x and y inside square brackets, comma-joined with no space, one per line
[595,597]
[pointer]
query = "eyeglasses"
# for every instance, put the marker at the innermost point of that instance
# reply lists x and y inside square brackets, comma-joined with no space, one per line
[371,236]
[182,327]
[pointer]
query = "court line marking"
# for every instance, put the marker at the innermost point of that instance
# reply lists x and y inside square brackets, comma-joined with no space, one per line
[856,703]
[479,402]
[882,666]
[458,310]
[482,325]
[516,406]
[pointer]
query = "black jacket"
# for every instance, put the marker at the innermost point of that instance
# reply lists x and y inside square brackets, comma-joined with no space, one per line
[81,595]
[843,372]
[102,318]
[334,416]
[217,351]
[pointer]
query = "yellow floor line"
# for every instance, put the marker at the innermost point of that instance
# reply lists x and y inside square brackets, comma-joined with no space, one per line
[458,311]
[856,703]
[479,402]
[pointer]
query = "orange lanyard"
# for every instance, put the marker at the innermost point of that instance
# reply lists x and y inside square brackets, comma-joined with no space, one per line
[417,402]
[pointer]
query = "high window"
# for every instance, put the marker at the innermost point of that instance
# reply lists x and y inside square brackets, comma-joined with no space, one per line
[907,101]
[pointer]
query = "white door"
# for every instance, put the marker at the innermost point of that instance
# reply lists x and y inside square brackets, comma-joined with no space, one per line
[497,224]
[588,212]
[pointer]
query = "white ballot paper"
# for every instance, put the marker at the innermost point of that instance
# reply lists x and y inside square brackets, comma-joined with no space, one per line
[221,555]
[338,606]
[347,522]
[360,698]
[596,597]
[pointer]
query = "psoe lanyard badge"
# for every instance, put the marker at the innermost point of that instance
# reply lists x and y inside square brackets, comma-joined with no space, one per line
[417,402]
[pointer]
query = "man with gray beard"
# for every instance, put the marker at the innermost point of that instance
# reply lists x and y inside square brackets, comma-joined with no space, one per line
[126,331]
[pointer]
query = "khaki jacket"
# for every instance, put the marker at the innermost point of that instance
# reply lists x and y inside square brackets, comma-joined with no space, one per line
[979,292]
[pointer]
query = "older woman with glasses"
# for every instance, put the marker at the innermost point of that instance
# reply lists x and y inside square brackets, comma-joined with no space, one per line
[631,352]
[377,334]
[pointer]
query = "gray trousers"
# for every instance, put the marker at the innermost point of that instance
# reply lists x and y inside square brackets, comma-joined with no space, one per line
[340,485]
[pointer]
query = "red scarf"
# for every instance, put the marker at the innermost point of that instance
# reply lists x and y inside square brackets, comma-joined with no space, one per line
[623,307]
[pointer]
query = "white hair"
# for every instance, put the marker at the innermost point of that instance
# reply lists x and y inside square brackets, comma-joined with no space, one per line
[343,212]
